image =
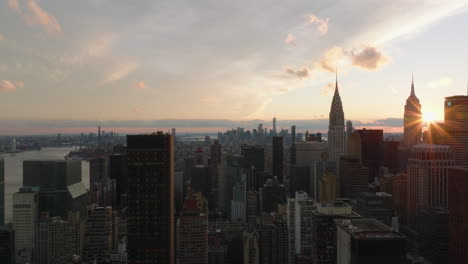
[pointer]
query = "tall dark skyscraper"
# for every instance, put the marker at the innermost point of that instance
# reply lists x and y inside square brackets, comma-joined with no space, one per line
[412,120]
[336,128]
[2,191]
[7,246]
[456,127]
[277,169]
[371,146]
[150,224]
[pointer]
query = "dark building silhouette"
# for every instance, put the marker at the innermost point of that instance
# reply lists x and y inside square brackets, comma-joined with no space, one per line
[150,223]
[433,234]
[7,246]
[456,127]
[51,174]
[390,155]
[324,239]
[354,177]
[371,147]
[118,172]
[458,217]
[368,241]
[277,169]
[272,193]
[412,120]
[253,156]
[378,205]
[2,191]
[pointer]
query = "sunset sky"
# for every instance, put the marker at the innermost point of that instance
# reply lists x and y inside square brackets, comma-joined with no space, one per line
[114,60]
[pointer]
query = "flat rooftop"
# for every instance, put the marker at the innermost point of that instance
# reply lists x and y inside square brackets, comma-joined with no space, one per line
[364,228]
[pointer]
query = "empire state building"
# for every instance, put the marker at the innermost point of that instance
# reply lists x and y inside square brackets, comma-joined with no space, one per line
[412,120]
[336,128]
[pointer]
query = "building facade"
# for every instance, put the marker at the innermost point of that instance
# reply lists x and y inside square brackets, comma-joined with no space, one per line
[412,120]
[150,223]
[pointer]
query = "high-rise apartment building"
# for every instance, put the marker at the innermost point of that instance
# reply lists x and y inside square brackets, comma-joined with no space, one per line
[299,220]
[433,234]
[327,187]
[98,235]
[456,127]
[25,214]
[412,120]
[428,178]
[57,241]
[324,240]
[150,223]
[192,230]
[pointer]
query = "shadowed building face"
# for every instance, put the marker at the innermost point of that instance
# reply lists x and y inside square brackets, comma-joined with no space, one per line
[151,198]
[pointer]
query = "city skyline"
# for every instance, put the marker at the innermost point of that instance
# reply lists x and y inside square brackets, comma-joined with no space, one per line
[144,69]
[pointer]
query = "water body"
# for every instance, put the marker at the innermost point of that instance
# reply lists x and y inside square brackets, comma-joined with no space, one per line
[14,171]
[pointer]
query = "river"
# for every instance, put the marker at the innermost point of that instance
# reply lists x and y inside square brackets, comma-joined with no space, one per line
[14,171]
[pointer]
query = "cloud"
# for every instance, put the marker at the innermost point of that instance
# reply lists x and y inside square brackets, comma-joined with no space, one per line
[290,40]
[13,4]
[122,71]
[34,15]
[299,73]
[330,59]
[387,122]
[322,24]
[327,89]
[439,83]
[369,58]
[6,85]
[2,37]
[140,85]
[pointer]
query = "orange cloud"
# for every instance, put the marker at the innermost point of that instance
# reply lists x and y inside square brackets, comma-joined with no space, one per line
[6,85]
[2,38]
[13,4]
[327,89]
[290,40]
[369,58]
[34,15]
[299,73]
[322,24]
[140,85]
[209,100]
[330,59]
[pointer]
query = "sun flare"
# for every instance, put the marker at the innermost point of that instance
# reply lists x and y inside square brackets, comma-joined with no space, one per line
[428,117]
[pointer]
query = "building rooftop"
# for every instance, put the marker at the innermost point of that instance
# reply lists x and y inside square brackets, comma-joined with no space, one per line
[368,229]
[77,189]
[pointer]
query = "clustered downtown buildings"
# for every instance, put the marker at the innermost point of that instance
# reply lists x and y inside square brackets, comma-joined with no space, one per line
[251,196]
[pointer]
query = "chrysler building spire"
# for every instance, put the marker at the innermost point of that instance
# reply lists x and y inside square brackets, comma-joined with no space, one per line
[336,128]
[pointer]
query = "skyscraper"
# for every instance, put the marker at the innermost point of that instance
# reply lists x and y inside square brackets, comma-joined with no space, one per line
[7,246]
[278,158]
[192,230]
[371,146]
[25,214]
[150,223]
[458,216]
[2,191]
[354,177]
[336,129]
[456,127]
[412,120]
[98,234]
[428,178]
[274,126]
[56,241]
